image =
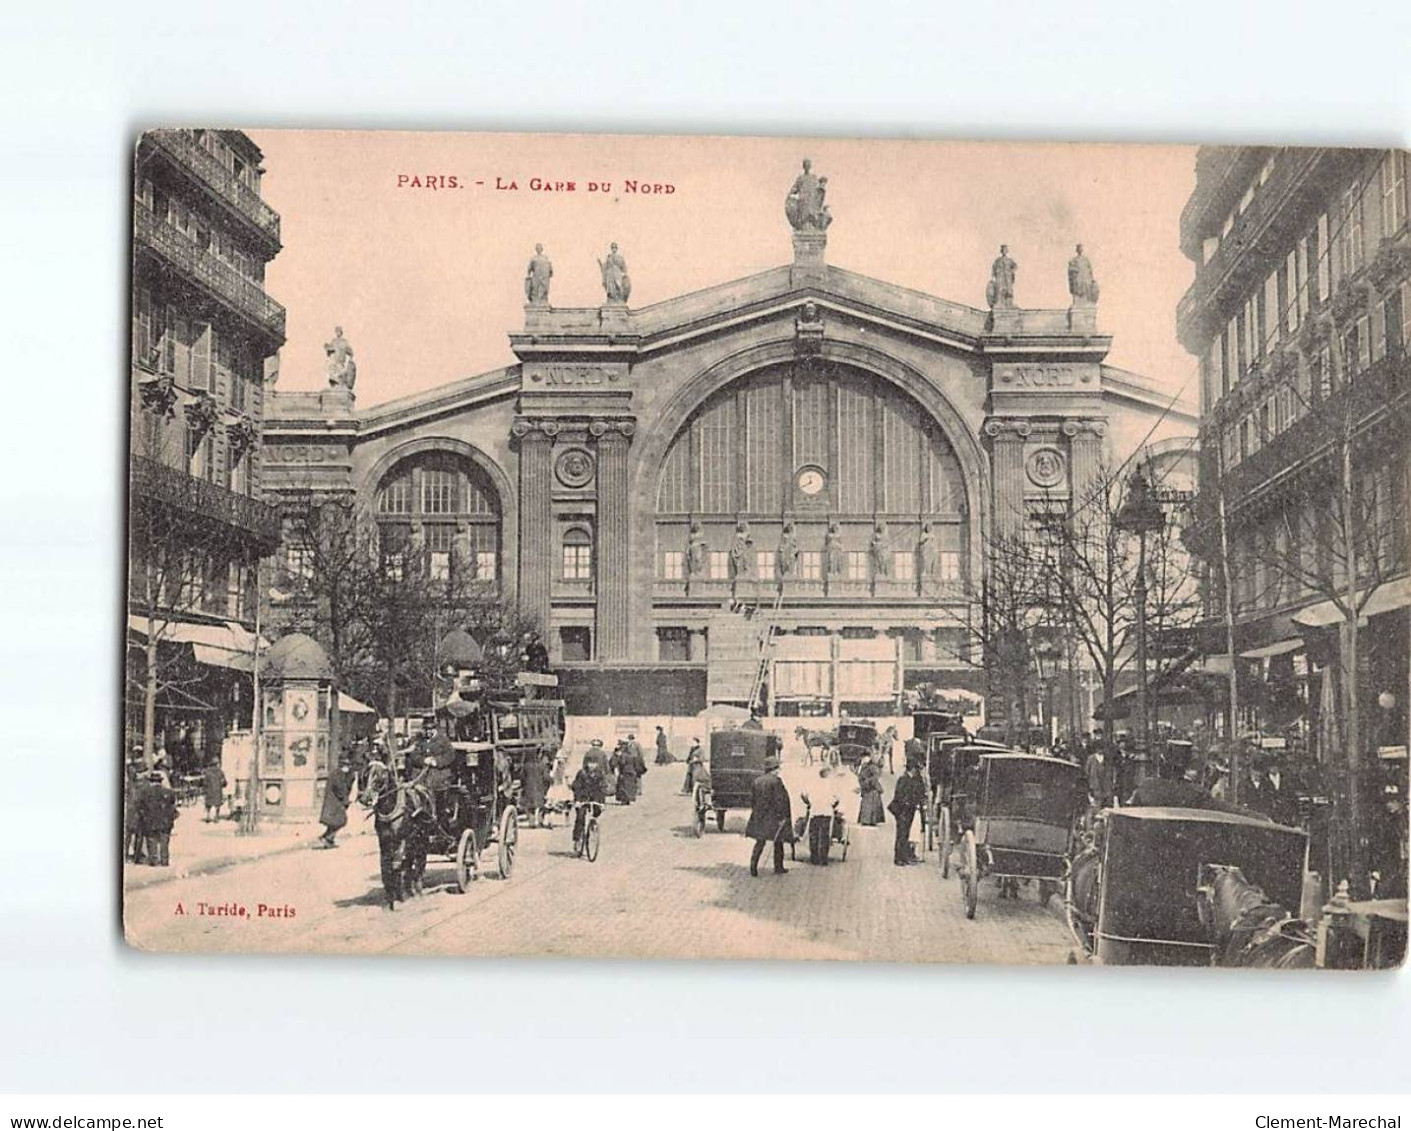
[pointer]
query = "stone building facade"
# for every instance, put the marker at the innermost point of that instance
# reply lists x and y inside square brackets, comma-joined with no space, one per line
[830,447]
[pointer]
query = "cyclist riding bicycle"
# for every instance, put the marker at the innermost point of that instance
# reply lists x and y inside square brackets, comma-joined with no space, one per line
[590,787]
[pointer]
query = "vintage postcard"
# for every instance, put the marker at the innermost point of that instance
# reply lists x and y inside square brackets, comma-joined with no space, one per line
[702,547]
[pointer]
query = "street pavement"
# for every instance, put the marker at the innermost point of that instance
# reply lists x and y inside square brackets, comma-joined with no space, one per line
[655,891]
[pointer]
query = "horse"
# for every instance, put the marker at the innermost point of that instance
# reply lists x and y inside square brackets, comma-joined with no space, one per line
[402,816]
[824,739]
[1248,928]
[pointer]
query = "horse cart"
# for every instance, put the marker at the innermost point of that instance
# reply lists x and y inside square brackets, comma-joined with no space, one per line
[856,741]
[736,758]
[1013,820]
[1177,887]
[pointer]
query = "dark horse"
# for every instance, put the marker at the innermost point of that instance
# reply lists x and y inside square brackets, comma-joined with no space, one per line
[1247,928]
[402,816]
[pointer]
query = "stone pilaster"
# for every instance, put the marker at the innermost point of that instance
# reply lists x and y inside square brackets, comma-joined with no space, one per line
[614,530]
[535,522]
[1084,455]
[1007,461]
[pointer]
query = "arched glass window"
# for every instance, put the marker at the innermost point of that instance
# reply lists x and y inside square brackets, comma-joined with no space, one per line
[577,554]
[441,494]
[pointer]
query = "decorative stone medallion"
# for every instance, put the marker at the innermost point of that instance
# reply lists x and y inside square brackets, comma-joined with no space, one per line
[574,468]
[1045,468]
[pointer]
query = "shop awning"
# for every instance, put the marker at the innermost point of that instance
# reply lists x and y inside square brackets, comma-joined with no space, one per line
[1388,597]
[225,645]
[1281,648]
[350,706]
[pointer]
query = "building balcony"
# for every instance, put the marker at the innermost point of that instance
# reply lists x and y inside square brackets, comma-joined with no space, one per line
[227,285]
[182,148]
[172,487]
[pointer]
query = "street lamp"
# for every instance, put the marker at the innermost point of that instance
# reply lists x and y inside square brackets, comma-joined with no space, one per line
[1141,514]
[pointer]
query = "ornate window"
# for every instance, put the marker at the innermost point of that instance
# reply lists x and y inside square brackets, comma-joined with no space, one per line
[440,492]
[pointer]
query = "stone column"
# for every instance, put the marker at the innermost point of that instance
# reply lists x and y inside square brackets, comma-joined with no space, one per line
[613,572]
[1084,455]
[536,522]
[1007,461]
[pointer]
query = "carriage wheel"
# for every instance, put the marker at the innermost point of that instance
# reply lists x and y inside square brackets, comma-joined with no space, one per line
[467,858]
[970,873]
[943,840]
[509,841]
[720,820]
[591,838]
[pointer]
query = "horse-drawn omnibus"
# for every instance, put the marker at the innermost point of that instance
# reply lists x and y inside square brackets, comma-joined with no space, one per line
[856,741]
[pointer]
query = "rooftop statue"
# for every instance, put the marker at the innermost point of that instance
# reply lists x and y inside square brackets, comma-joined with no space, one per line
[617,284]
[536,278]
[341,368]
[1000,292]
[1081,284]
[804,206]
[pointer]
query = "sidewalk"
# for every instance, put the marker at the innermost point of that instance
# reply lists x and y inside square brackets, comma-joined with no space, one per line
[198,848]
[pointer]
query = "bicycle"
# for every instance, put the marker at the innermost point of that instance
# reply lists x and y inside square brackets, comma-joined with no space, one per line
[586,843]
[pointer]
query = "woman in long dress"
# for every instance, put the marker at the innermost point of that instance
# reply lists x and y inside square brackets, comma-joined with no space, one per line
[871,810]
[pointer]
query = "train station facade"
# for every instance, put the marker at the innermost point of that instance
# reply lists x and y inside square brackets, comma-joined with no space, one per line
[831,449]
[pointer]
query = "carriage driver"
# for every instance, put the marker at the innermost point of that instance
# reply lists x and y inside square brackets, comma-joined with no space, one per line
[433,753]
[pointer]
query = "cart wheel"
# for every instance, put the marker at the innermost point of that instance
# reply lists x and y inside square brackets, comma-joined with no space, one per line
[970,873]
[509,841]
[720,820]
[591,838]
[467,859]
[943,840]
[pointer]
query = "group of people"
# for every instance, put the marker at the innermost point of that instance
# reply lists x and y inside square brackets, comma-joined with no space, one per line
[772,820]
[149,815]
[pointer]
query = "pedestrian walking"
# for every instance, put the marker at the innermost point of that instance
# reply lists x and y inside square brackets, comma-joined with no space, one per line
[534,788]
[629,767]
[213,786]
[136,782]
[910,795]
[334,814]
[869,777]
[771,816]
[663,749]
[695,759]
[822,800]
[156,814]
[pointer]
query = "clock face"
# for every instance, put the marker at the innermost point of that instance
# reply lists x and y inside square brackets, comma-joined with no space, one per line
[811,480]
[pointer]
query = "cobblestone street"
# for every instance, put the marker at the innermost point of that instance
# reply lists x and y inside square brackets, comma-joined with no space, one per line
[655,891]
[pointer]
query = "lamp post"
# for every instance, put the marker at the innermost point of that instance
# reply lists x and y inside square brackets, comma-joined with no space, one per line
[1141,514]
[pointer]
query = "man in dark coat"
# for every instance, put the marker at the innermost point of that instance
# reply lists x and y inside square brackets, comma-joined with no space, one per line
[533,787]
[213,786]
[334,814]
[156,815]
[910,796]
[695,759]
[771,816]
[663,748]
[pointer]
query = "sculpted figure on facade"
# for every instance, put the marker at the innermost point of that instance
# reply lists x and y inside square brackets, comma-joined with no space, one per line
[740,550]
[1081,284]
[697,552]
[877,548]
[1000,291]
[617,284]
[834,557]
[804,206]
[342,370]
[928,554]
[537,277]
[788,551]
[463,564]
[416,549]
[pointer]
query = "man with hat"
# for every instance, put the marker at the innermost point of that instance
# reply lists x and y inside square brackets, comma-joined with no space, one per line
[771,816]
[910,796]
[334,814]
[135,782]
[156,815]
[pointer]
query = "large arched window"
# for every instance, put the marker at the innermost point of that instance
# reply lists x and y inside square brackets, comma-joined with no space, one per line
[833,445]
[441,496]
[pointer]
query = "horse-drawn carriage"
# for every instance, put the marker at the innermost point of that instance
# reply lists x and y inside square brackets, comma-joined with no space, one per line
[1189,887]
[736,758]
[950,761]
[1012,818]
[856,741]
